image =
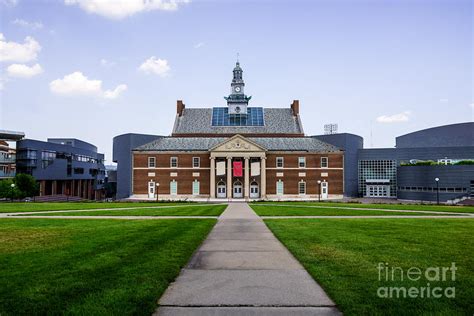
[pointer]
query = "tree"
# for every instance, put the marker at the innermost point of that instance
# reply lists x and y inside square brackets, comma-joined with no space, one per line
[8,191]
[26,185]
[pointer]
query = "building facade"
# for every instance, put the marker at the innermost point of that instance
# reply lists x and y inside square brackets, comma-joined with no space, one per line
[239,152]
[63,166]
[409,171]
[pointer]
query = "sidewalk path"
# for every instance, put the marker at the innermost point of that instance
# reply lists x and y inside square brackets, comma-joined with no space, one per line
[242,269]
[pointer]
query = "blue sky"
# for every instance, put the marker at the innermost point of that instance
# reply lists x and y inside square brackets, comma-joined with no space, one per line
[374,67]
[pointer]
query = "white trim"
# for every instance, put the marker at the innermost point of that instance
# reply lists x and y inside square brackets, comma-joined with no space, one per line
[327,162]
[299,191]
[282,162]
[171,162]
[282,188]
[304,159]
[150,159]
[198,162]
[175,184]
[196,182]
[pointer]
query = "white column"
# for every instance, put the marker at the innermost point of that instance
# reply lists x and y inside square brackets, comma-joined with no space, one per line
[229,177]
[213,178]
[263,178]
[246,178]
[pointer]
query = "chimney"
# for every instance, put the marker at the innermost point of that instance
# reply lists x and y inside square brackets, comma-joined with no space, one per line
[180,107]
[295,107]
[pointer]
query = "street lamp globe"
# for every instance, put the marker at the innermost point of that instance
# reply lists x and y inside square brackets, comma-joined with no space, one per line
[436,179]
[12,185]
[319,181]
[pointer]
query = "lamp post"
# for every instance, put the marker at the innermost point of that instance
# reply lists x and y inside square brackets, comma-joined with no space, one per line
[437,190]
[12,186]
[157,185]
[319,190]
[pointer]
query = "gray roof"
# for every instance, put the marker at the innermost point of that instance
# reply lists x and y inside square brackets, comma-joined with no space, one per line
[270,143]
[277,121]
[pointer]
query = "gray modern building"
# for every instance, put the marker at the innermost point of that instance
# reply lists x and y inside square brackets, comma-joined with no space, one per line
[122,155]
[63,166]
[409,171]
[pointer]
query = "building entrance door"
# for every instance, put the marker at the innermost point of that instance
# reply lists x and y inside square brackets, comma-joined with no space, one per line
[221,190]
[254,192]
[324,190]
[151,190]
[378,190]
[238,189]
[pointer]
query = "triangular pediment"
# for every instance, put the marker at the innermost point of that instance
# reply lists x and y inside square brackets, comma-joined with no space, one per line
[237,143]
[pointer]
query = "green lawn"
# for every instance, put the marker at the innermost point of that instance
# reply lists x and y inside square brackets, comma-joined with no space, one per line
[343,255]
[92,267]
[181,210]
[6,207]
[411,207]
[282,210]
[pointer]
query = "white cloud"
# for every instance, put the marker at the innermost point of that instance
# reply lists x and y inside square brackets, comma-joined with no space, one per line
[106,63]
[17,52]
[471,105]
[155,66]
[395,118]
[119,9]
[24,71]
[199,45]
[78,84]
[112,94]
[27,24]
[443,100]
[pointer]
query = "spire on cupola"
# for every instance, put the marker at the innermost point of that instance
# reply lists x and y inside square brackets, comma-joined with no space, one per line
[237,101]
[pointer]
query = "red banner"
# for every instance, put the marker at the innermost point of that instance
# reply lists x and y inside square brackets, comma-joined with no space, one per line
[237,168]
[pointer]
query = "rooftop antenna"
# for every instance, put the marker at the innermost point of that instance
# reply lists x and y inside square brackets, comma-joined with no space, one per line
[330,129]
[238,57]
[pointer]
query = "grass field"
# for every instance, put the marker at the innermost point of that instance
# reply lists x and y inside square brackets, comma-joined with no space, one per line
[272,210]
[6,207]
[411,207]
[343,255]
[177,210]
[92,267]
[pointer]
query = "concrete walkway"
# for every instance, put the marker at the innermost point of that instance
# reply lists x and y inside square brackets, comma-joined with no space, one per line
[242,269]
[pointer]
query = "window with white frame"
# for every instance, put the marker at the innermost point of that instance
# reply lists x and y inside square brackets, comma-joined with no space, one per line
[301,187]
[302,162]
[196,162]
[151,162]
[279,187]
[279,162]
[195,187]
[324,162]
[174,162]
[173,187]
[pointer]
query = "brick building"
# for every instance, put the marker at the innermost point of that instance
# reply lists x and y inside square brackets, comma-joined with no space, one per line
[237,151]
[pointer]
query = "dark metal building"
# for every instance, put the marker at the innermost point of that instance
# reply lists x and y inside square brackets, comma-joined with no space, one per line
[409,171]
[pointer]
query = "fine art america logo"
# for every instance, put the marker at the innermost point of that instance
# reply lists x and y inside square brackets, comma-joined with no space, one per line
[415,276]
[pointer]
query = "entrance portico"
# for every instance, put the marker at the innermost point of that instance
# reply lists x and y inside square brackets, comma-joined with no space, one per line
[238,149]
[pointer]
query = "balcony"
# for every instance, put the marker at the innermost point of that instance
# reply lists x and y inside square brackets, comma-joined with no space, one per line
[4,174]
[10,159]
